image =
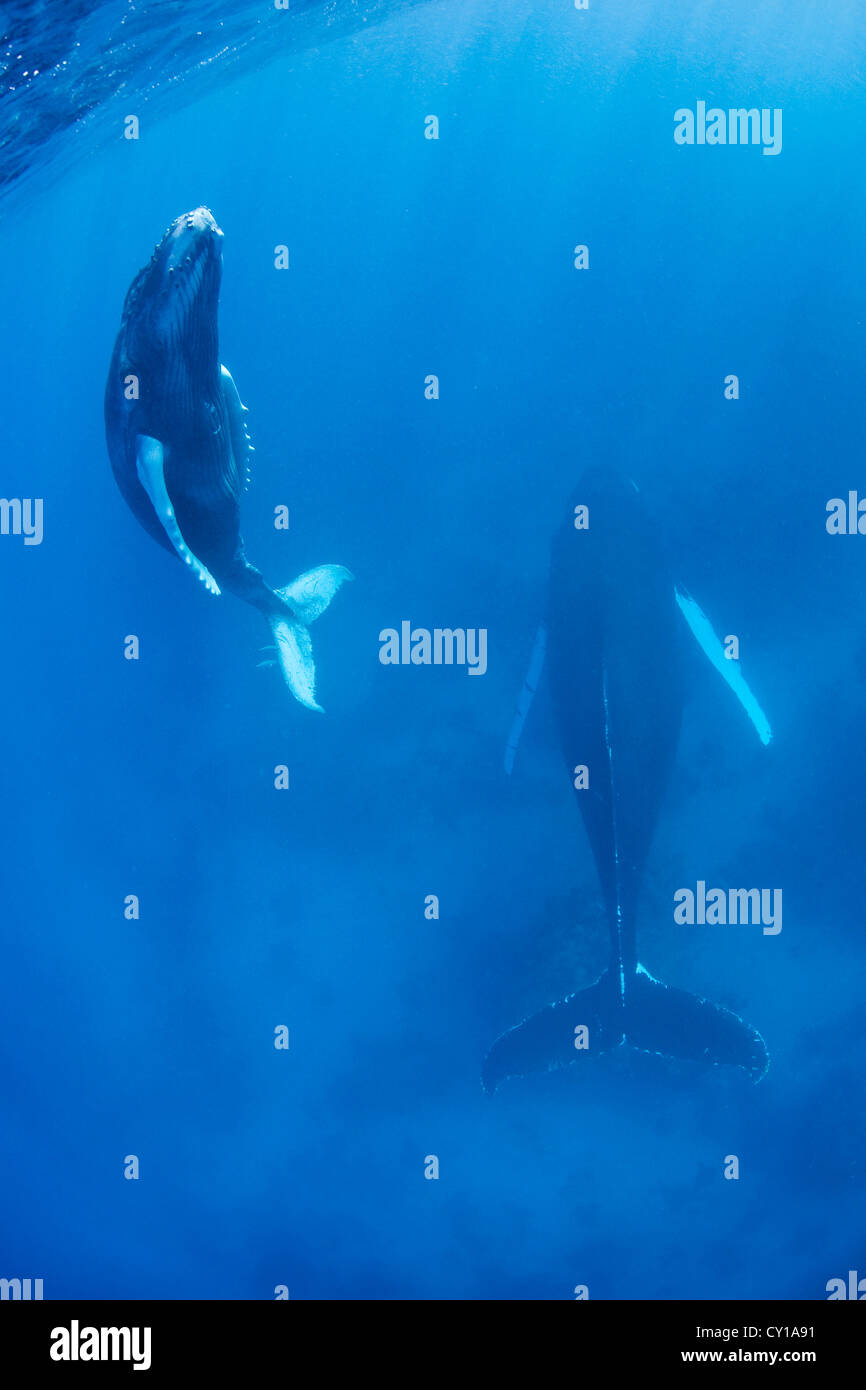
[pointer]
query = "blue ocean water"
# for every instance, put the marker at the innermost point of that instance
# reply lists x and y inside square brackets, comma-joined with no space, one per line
[409,257]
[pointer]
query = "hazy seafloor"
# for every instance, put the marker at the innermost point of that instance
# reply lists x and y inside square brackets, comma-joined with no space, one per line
[410,257]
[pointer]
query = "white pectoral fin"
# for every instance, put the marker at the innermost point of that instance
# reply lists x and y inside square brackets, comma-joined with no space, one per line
[310,594]
[149,466]
[527,695]
[295,656]
[712,646]
[242,449]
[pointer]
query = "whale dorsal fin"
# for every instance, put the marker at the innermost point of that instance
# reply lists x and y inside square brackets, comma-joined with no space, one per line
[149,464]
[713,648]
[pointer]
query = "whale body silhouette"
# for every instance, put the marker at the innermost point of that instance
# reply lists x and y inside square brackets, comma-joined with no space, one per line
[179,447]
[613,639]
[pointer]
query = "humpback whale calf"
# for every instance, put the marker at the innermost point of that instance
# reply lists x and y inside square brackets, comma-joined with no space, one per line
[612,637]
[179,447]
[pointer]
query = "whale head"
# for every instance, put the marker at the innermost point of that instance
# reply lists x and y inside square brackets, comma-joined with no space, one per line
[171,309]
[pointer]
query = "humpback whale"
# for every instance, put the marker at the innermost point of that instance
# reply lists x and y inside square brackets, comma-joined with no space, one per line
[613,637]
[179,447]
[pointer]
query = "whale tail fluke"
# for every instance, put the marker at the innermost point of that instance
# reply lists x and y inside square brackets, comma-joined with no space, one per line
[675,1023]
[653,1017]
[305,599]
[552,1038]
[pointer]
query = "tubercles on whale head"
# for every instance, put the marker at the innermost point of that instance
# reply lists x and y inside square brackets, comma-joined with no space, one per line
[184,275]
[192,235]
[174,302]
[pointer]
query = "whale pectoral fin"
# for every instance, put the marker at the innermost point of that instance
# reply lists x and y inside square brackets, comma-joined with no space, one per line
[149,456]
[527,695]
[713,648]
[242,449]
